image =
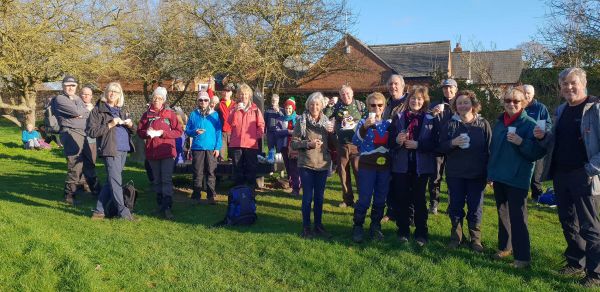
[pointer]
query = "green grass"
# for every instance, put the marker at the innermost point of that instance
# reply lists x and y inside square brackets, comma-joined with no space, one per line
[47,245]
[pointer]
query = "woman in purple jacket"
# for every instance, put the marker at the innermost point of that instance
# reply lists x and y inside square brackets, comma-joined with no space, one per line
[414,132]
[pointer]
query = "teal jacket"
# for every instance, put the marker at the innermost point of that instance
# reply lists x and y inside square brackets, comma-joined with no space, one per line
[511,164]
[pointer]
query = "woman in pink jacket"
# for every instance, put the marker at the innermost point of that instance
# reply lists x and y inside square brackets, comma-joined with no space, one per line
[247,127]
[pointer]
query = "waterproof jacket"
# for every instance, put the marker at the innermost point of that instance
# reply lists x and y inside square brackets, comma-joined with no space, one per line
[246,127]
[590,132]
[282,134]
[164,146]
[225,110]
[511,164]
[97,127]
[70,113]
[427,140]
[470,162]
[211,139]
[304,131]
[538,111]
[26,135]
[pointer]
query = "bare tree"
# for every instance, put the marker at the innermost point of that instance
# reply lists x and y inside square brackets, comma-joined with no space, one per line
[572,32]
[42,40]
[535,54]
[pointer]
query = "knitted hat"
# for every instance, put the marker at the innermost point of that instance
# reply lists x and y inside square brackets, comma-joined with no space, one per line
[291,101]
[160,91]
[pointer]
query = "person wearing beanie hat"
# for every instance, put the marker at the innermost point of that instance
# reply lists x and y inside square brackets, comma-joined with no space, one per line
[160,91]
[160,127]
[204,127]
[272,116]
[283,133]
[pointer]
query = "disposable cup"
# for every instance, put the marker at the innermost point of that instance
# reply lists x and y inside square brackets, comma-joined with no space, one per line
[541,124]
[512,129]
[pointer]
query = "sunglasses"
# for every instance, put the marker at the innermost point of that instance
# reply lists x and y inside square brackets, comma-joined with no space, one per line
[203,100]
[513,101]
[376,105]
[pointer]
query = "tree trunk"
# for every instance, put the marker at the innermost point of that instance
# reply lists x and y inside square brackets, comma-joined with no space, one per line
[30,102]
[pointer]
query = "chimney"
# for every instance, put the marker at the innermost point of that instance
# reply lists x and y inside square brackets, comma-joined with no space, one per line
[457,49]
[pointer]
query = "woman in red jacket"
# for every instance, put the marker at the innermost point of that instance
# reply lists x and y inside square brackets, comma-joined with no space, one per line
[160,127]
[247,127]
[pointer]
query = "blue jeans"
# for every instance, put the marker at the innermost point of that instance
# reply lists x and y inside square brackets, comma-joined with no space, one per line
[313,186]
[467,190]
[372,184]
[111,195]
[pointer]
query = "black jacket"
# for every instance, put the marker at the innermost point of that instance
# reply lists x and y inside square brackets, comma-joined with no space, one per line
[97,127]
[470,162]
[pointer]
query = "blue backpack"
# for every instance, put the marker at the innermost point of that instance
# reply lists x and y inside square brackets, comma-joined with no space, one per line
[241,206]
[548,198]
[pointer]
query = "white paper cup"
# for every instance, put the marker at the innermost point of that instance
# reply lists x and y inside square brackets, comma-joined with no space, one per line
[442,106]
[512,129]
[541,124]
[467,144]
[241,105]
[372,115]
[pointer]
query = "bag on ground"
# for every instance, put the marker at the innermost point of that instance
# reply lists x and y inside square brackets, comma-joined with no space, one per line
[241,206]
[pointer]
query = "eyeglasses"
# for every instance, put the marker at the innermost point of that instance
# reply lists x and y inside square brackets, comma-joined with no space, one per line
[203,100]
[376,105]
[513,101]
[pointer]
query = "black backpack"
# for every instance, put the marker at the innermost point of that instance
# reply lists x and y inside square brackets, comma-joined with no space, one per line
[129,198]
[50,120]
[241,206]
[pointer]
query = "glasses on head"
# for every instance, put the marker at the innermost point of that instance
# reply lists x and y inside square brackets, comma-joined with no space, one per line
[513,101]
[376,105]
[203,100]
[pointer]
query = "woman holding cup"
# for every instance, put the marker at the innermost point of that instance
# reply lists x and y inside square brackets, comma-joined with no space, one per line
[247,127]
[414,136]
[465,141]
[310,139]
[160,127]
[371,138]
[513,151]
[204,127]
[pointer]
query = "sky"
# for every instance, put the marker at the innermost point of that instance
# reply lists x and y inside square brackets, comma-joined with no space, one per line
[478,24]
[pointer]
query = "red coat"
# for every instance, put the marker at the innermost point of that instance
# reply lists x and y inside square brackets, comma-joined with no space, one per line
[224,110]
[164,146]
[246,127]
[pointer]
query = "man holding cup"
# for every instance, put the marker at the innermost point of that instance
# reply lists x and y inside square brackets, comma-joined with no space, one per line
[443,112]
[347,114]
[539,112]
[573,162]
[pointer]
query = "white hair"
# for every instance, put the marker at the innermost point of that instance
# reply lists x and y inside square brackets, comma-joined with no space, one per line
[573,70]
[315,96]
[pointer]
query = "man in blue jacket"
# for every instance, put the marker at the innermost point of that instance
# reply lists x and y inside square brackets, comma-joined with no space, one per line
[539,112]
[573,162]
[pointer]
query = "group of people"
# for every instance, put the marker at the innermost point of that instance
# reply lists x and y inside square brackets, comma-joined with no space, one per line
[396,148]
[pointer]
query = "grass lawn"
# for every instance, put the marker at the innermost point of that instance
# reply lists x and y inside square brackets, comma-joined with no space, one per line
[47,245]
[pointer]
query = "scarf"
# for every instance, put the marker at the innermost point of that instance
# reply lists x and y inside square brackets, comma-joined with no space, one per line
[509,120]
[413,119]
[306,117]
[291,117]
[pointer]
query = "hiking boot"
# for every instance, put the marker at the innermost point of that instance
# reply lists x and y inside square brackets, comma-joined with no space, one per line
[321,232]
[590,281]
[211,201]
[376,234]
[345,205]
[521,264]
[456,234]
[306,233]
[421,241]
[70,199]
[358,234]
[569,270]
[475,233]
[168,214]
[97,216]
[502,254]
